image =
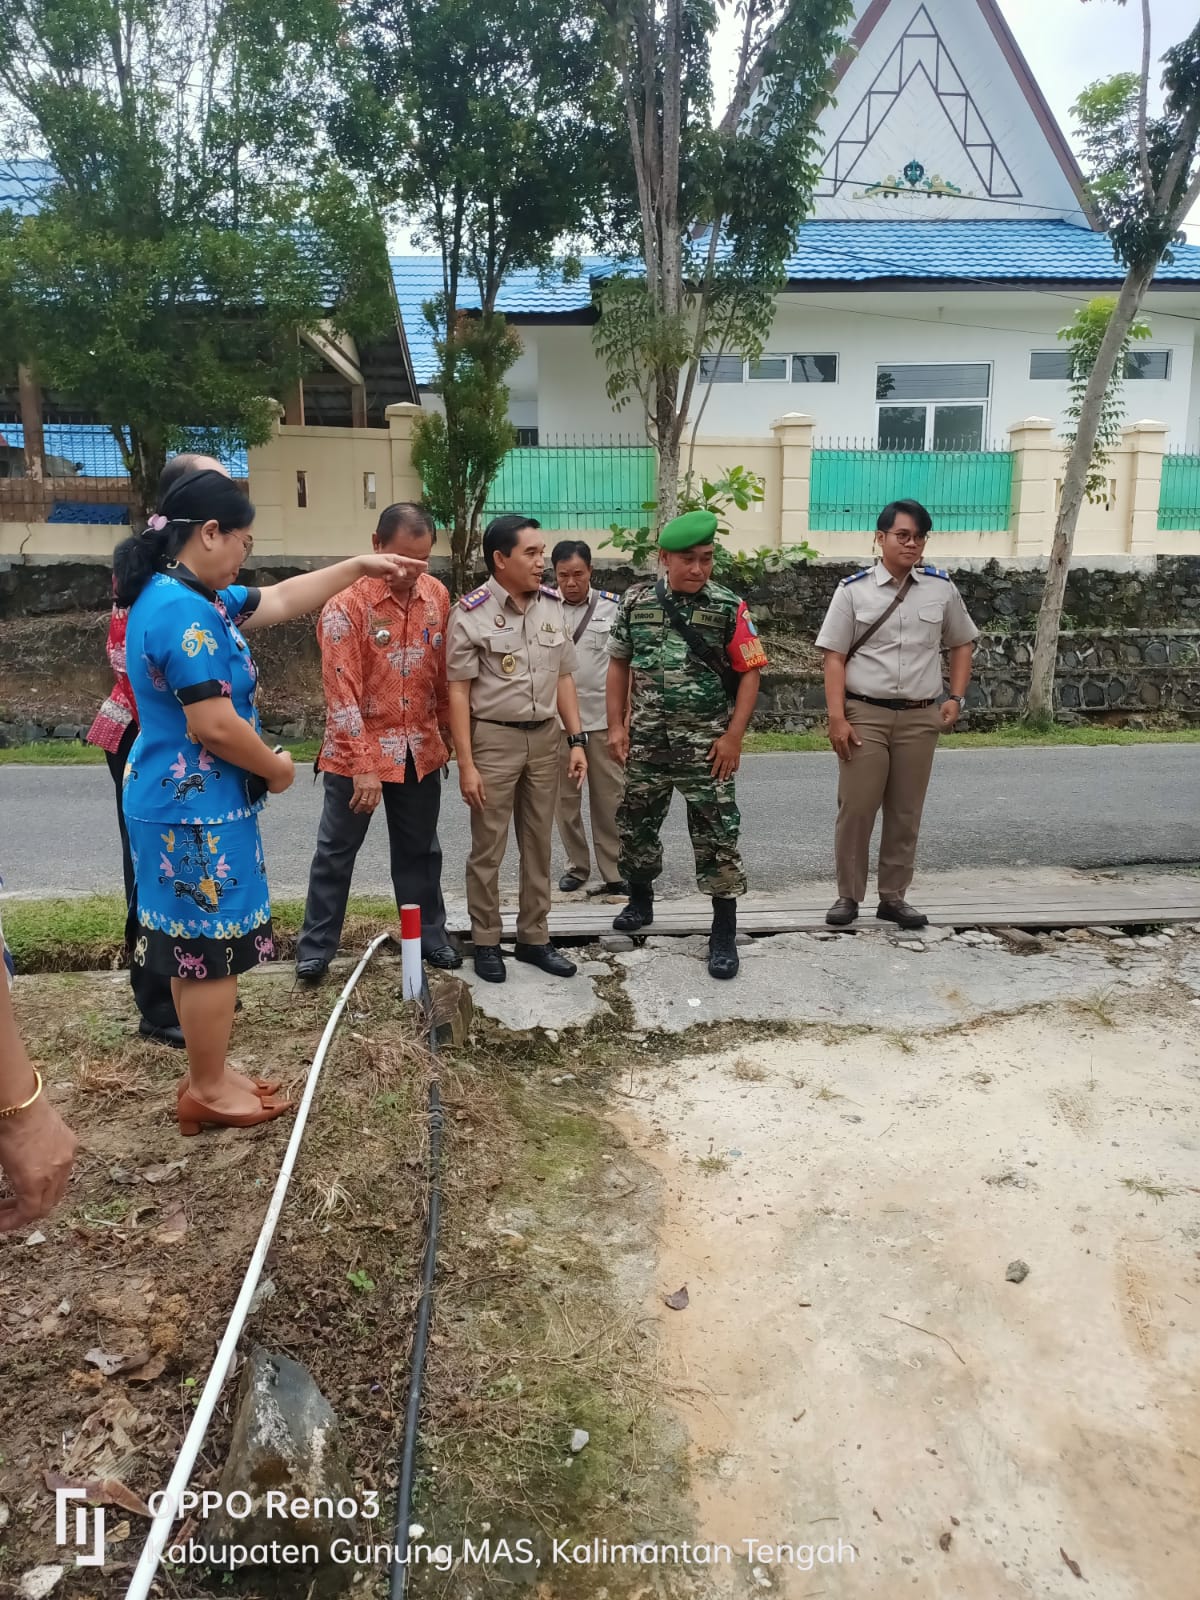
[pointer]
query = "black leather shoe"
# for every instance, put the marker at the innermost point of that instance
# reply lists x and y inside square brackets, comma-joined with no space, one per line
[444,956]
[899,911]
[548,958]
[618,886]
[842,913]
[171,1035]
[639,913]
[311,972]
[489,963]
[570,882]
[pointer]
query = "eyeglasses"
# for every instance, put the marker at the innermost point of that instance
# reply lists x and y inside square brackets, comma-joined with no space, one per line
[246,540]
[908,538]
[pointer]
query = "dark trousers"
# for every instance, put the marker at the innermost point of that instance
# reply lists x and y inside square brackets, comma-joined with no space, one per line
[412,810]
[151,990]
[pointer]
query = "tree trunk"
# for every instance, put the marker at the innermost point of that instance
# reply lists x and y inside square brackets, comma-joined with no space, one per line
[667,483]
[147,456]
[1039,710]
[30,396]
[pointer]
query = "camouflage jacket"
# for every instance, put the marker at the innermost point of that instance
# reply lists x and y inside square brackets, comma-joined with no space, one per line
[667,679]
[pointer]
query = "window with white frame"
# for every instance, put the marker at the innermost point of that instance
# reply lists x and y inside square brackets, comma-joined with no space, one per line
[720,369]
[770,367]
[932,405]
[1148,365]
[815,369]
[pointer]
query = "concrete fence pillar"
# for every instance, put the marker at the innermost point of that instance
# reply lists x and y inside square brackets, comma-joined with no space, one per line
[1035,452]
[794,435]
[1146,443]
[406,480]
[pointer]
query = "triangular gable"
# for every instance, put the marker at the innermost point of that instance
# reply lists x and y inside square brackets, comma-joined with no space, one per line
[937,114]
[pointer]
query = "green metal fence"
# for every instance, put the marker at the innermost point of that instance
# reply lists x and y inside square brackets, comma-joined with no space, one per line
[1179,497]
[576,485]
[962,489]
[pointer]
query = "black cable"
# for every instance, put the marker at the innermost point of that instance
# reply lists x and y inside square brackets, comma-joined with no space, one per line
[399,1578]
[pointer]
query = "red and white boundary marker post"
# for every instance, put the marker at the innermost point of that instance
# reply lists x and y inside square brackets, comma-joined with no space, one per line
[413,975]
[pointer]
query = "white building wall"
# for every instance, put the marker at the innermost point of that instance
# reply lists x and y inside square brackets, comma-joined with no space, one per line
[864,330]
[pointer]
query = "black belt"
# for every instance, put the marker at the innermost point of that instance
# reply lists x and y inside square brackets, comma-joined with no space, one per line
[891,705]
[525,727]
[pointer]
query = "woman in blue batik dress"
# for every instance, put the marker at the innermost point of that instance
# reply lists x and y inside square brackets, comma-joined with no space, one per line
[199,771]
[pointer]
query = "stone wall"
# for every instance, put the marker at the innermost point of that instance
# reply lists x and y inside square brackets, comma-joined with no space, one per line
[1132,648]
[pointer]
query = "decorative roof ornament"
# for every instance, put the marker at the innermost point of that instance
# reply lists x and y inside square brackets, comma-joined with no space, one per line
[915,182]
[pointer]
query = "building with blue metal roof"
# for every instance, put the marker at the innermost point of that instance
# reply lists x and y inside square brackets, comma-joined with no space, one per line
[951,240]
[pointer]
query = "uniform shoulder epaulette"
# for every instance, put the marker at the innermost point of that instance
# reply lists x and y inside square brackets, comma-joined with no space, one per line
[550,591]
[936,572]
[855,576]
[476,598]
[606,594]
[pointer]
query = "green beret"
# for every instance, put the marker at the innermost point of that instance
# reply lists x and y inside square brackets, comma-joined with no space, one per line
[693,528]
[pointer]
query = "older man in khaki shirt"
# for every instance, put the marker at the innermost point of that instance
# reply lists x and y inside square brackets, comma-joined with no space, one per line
[883,638]
[510,661]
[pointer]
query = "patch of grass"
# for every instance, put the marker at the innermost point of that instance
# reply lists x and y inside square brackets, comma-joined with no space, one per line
[1100,1007]
[712,1164]
[87,933]
[1008,736]
[74,753]
[1156,1191]
[748,1071]
[52,753]
[824,1092]
[901,1042]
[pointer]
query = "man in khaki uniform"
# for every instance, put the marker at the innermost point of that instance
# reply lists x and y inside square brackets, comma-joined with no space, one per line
[883,638]
[589,616]
[510,661]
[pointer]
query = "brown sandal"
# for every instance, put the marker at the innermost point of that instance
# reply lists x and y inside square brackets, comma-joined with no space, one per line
[193,1114]
[262,1086]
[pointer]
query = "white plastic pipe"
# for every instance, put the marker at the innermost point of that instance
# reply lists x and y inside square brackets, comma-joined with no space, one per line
[412,972]
[160,1528]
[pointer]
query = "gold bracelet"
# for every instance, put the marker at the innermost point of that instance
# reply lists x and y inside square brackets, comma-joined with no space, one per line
[11,1111]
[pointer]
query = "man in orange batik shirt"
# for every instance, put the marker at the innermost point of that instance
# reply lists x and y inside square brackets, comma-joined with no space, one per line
[383,660]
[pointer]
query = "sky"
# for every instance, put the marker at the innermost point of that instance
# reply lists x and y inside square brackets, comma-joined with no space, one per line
[1068,45]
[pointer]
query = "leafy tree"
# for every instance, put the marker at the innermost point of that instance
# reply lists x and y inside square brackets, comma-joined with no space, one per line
[718,205]
[1084,335]
[737,489]
[483,122]
[196,225]
[1144,178]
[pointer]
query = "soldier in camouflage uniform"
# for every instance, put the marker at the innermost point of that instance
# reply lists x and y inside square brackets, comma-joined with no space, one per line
[683,732]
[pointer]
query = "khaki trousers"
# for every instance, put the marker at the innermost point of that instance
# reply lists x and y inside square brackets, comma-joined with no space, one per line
[890,771]
[605,786]
[520,779]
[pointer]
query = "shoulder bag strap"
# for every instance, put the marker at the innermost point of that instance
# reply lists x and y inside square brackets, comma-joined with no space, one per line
[881,619]
[587,617]
[705,653]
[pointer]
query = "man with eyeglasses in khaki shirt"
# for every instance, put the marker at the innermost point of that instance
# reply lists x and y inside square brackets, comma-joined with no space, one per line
[510,662]
[883,638]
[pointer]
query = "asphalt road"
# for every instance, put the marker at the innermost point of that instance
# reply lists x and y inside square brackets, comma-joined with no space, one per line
[1079,807]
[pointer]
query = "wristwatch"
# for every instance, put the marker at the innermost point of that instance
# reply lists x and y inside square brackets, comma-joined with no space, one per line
[577,741]
[959,699]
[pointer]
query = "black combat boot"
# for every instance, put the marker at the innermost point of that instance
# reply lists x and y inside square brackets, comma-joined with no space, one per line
[639,913]
[723,959]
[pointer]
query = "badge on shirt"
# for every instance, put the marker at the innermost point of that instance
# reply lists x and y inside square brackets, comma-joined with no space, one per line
[500,622]
[382,637]
[508,664]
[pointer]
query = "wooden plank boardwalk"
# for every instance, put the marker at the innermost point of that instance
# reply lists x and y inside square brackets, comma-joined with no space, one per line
[1088,903]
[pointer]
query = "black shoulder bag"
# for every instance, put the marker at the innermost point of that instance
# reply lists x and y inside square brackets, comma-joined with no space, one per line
[706,654]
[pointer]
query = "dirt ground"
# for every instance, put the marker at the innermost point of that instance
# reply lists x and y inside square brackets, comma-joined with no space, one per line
[853,1373]
[844,1211]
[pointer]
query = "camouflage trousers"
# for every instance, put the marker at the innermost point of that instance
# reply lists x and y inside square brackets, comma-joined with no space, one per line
[712,815]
